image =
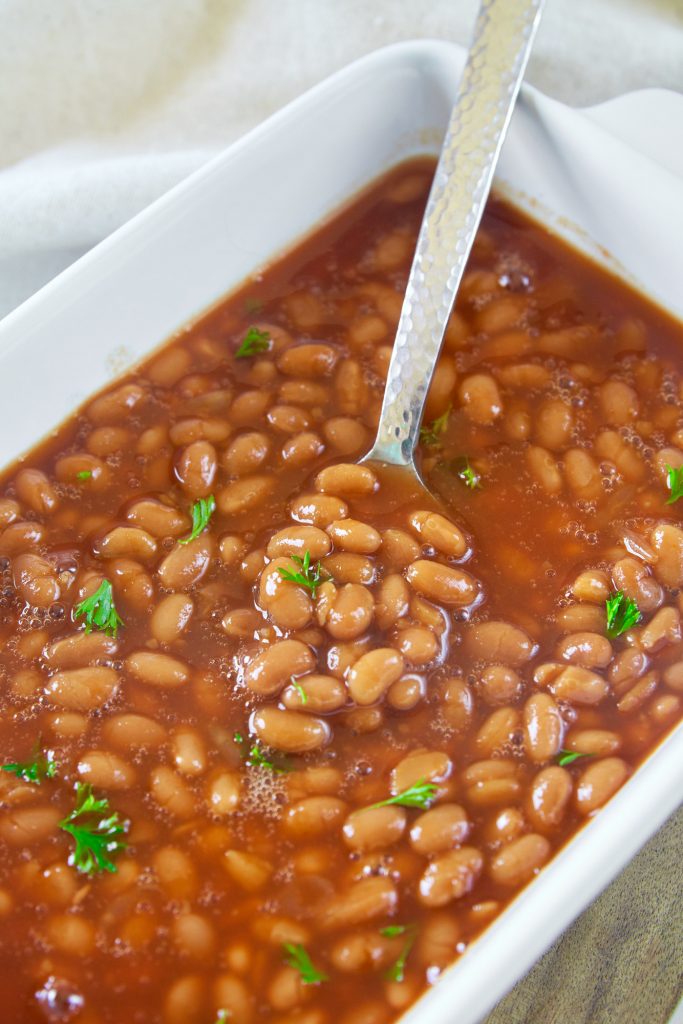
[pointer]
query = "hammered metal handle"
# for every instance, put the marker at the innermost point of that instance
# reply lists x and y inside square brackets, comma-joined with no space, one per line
[500,48]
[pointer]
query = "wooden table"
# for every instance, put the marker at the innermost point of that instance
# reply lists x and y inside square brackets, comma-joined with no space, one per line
[621,962]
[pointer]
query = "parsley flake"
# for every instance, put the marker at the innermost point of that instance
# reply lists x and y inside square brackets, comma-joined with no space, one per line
[566,757]
[96,831]
[258,759]
[299,959]
[430,435]
[202,510]
[99,611]
[34,772]
[222,1016]
[622,614]
[674,479]
[84,474]
[311,576]
[397,970]
[254,341]
[420,794]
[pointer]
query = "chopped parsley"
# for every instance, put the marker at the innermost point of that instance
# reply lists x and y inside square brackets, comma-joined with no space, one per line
[397,970]
[430,435]
[96,831]
[622,614]
[299,959]
[311,576]
[99,611]
[202,510]
[421,794]
[84,474]
[222,1016]
[674,479]
[566,757]
[42,767]
[253,342]
[256,758]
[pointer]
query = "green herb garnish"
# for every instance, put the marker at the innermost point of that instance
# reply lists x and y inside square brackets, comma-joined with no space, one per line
[566,757]
[42,767]
[311,576]
[222,1016]
[299,959]
[430,435]
[238,737]
[397,970]
[254,341]
[300,690]
[202,510]
[257,759]
[622,614]
[674,479]
[99,611]
[421,795]
[469,476]
[84,474]
[96,831]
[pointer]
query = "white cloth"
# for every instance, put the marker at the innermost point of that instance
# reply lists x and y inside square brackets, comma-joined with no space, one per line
[104,104]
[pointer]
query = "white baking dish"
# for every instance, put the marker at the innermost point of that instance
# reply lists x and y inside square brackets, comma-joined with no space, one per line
[570,169]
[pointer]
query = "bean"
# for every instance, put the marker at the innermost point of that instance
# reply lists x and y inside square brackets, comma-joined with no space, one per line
[579,686]
[186,563]
[347,567]
[439,829]
[418,645]
[35,490]
[350,612]
[346,479]
[171,618]
[290,731]
[176,873]
[171,792]
[157,669]
[364,901]
[582,474]
[318,509]
[20,536]
[296,540]
[667,541]
[304,392]
[589,650]
[35,579]
[374,828]
[321,694]
[663,629]
[70,934]
[548,797]
[373,674]
[673,676]
[544,468]
[580,618]
[193,936]
[406,692]
[420,766]
[442,584]
[288,419]
[314,816]
[634,579]
[231,993]
[636,696]
[195,468]
[223,793]
[308,360]
[345,435]
[554,424]
[520,860]
[543,728]
[270,670]
[598,782]
[507,825]
[619,403]
[611,446]
[132,583]
[157,518]
[499,642]
[184,1001]
[9,511]
[24,826]
[247,453]
[592,585]
[353,535]
[133,732]
[450,876]
[497,733]
[399,548]
[458,704]
[480,398]
[302,448]
[440,533]
[499,684]
[82,689]
[393,599]
[597,742]
[126,542]
[247,869]
[241,496]
[188,751]
[187,431]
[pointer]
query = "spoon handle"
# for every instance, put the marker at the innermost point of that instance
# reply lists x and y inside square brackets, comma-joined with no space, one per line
[500,48]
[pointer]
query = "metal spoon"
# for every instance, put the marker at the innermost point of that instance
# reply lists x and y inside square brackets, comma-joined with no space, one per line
[498,56]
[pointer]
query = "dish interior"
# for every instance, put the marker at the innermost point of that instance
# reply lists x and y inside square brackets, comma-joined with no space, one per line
[333,731]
